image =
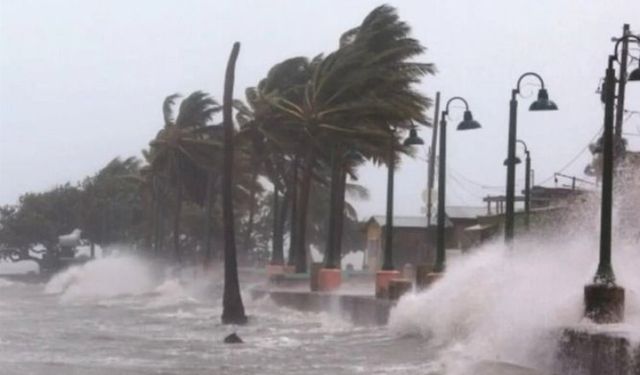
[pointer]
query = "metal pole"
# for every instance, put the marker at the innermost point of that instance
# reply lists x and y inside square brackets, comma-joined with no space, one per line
[604,273]
[387,265]
[442,173]
[511,169]
[432,160]
[527,190]
[621,87]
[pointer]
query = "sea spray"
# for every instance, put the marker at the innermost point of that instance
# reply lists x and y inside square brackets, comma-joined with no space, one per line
[103,278]
[510,304]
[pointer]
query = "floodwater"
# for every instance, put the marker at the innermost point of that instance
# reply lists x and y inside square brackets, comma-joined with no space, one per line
[121,315]
[117,316]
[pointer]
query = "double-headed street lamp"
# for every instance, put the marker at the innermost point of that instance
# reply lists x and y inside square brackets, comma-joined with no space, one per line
[413,139]
[604,300]
[468,123]
[387,271]
[541,104]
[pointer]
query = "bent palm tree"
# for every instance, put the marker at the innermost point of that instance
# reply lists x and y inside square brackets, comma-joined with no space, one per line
[232,307]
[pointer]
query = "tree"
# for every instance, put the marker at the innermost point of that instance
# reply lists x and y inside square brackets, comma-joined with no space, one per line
[232,306]
[181,151]
[354,99]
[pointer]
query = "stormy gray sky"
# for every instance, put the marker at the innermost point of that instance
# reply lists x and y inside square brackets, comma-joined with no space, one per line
[82,82]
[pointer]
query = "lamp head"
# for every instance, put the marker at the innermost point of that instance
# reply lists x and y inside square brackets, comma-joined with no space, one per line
[468,123]
[413,139]
[543,103]
[634,75]
[353,156]
[516,161]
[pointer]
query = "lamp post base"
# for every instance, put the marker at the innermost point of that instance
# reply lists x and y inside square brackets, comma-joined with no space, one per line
[422,272]
[398,287]
[329,279]
[604,303]
[274,270]
[382,282]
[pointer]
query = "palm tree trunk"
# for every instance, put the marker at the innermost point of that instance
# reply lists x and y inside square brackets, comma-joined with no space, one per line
[277,256]
[303,207]
[246,248]
[232,307]
[342,184]
[176,218]
[329,254]
[280,224]
[293,225]
[155,220]
[209,199]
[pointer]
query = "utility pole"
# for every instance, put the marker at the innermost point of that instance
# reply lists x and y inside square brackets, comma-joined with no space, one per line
[432,160]
[622,82]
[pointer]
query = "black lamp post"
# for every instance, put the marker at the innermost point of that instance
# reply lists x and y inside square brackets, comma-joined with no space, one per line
[541,104]
[527,184]
[387,264]
[604,300]
[468,123]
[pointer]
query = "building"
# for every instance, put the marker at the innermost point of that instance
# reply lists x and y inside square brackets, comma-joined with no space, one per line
[414,242]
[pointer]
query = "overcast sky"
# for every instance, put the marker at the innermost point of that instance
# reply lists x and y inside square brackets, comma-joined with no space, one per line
[82,82]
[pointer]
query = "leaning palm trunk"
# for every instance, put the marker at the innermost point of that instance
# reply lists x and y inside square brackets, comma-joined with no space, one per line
[246,248]
[232,307]
[209,201]
[176,217]
[337,242]
[293,225]
[330,260]
[303,208]
[155,219]
[277,256]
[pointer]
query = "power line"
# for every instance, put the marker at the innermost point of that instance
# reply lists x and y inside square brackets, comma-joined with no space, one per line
[544,181]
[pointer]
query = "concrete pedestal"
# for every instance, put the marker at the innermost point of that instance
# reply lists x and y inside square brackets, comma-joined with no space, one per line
[329,279]
[422,271]
[597,351]
[274,270]
[382,282]
[314,276]
[433,277]
[604,303]
[398,287]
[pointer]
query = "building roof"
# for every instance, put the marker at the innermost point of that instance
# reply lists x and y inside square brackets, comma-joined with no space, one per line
[452,213]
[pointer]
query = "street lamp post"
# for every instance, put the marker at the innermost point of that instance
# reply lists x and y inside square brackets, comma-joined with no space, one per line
[468,123]
[541,104]
[387,263]
[527,184]
[387,271]
[604,300]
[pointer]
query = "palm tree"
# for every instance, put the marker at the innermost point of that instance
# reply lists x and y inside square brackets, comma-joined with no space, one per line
[181,148]
[353,98]
[232,307]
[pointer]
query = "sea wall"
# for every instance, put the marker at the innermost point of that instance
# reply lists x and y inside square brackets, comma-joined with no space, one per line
[589,352]
[359,310]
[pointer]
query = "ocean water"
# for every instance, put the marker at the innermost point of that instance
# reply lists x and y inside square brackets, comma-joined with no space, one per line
[122,315]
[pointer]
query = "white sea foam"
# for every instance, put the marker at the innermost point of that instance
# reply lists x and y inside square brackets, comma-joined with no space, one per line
[103,278]
[509,304]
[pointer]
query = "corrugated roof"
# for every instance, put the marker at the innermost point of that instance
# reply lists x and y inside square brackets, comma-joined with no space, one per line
[453,212]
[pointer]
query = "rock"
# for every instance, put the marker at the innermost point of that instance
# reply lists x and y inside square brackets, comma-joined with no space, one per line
[233,339]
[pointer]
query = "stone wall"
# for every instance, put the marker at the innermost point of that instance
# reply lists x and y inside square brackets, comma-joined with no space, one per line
[585,352]
[359,310]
